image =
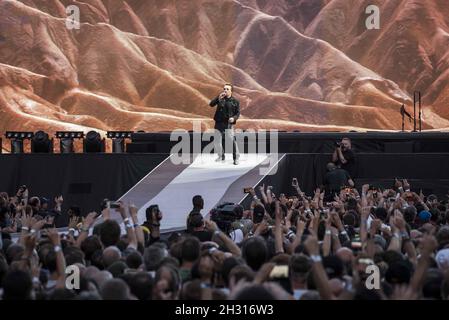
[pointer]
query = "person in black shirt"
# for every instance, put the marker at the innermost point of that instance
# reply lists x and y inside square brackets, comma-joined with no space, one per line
[344,157]
[196,224]
[335,179]
[198,205]
[226,116]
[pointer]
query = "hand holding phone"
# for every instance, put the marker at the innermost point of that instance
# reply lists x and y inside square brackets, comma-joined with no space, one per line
[113,205]
[294,182]
[279,272]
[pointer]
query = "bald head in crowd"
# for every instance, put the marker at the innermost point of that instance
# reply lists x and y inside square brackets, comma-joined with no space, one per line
[110,255]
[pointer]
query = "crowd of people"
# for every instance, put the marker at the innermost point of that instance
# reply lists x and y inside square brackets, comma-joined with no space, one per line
[367,244]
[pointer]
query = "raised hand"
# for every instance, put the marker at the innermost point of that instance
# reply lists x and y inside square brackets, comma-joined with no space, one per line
[122,210]
[365,188]
[295,183]
[421,195]
[406,184]
[73,222]
[398,220]
[59,200]
[37,224]
[283,199]
[261,228]
[53,235]
[322,195]
[26,220]
[365,213]
[132,210]
[30,242]
[300,226]
[311,245]
[211,225]
[264,272]
[89,219]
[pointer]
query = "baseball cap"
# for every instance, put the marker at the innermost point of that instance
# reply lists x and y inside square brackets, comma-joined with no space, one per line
[424,216]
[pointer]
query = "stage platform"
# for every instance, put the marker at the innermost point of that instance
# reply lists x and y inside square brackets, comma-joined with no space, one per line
[317,142]
[172,186]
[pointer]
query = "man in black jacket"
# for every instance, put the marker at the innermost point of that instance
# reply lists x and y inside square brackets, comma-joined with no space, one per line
[226,116]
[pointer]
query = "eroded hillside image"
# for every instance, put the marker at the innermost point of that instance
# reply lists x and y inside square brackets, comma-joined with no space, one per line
[153,65]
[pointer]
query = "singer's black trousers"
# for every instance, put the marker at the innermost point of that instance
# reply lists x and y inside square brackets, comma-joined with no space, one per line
[227,132]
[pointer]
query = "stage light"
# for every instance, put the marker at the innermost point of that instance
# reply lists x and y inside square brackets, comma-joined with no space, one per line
[118,140]
[17,138]
[41,143]
[66,140]
[93,142]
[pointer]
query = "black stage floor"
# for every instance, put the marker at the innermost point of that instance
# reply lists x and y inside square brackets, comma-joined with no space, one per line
[320,142]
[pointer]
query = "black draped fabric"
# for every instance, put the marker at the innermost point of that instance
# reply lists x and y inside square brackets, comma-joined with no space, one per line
[83,179]
[426,171]
[86,179]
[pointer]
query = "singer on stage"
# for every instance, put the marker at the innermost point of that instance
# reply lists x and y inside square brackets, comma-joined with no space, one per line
[226,116]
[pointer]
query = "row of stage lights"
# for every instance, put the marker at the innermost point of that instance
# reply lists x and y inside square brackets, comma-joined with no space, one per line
[42,143]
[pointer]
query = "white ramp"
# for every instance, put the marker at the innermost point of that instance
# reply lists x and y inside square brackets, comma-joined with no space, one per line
[205,177]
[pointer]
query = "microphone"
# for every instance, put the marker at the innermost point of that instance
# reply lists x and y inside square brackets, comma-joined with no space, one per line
[404,112]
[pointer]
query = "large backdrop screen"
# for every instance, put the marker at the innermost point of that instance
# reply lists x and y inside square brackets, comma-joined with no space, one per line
[154,65]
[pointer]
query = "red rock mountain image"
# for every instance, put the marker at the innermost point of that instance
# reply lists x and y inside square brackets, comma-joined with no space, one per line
[154,65]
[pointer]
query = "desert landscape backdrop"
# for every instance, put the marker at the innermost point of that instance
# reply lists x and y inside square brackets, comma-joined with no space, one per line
[153,65]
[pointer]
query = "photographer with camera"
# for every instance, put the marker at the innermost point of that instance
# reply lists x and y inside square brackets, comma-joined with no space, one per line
[344,156]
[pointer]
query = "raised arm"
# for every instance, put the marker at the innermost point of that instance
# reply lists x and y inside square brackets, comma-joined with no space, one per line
[395,241]
[263,194]
[319,274]
[87,224]
[341,156]
[216,100]
[295,185]
[229,244]
[327,241]
[278,243]
[60,259]
[130,233]
[300,226]
[137,227]
[58,204]
[429,244]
